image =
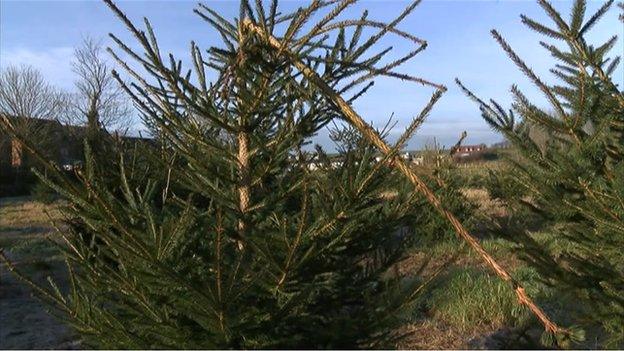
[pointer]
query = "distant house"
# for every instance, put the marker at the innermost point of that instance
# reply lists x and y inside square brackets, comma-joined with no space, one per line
[418,160]
[465,153]
[59,143]
[408,157]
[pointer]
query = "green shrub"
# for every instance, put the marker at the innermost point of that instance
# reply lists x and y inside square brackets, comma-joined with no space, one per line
[500,184]
[433,227]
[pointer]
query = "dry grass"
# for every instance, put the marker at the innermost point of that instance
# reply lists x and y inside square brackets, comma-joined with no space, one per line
[26,226]
[23,213]
[487,206]
[432,334]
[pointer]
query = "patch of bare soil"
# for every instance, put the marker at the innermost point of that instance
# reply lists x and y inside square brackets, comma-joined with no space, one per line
[432,334]
[24,320]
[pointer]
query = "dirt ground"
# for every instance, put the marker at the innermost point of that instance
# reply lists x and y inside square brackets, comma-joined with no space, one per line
[24,320]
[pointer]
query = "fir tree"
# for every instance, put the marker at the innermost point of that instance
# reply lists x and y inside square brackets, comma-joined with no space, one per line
[218,234]
[574,178]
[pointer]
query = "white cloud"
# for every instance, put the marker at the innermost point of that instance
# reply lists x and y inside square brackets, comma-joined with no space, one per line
[54,63]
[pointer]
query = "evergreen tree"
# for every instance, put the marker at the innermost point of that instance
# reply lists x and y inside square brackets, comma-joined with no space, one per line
[574,178]
[219,234]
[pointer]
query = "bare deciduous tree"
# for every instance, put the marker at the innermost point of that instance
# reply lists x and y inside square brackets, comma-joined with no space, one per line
[99,101]
[25,93]
[26,98]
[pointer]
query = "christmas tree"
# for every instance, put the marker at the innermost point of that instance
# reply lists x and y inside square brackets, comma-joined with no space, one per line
[223,231]
[574,176]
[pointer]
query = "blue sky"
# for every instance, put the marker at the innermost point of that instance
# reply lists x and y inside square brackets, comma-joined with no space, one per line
[43,34]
